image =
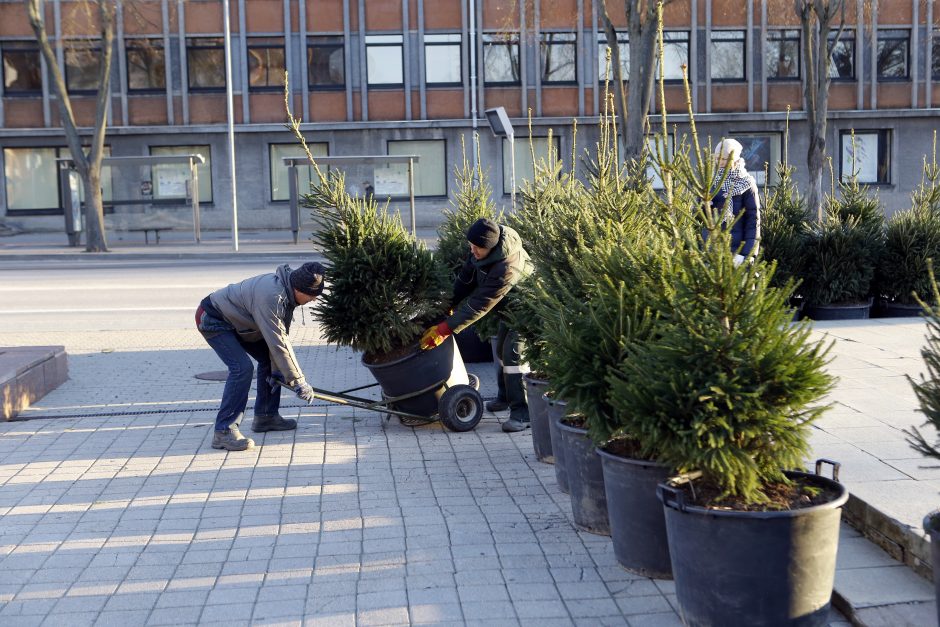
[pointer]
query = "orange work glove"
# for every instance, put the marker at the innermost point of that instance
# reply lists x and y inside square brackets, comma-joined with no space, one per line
[435,336]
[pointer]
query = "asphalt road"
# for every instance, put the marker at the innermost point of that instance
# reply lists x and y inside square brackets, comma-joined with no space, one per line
[102,295]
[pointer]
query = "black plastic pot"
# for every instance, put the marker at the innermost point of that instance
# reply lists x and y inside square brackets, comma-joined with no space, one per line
[585,480]
[421,370]
[932,527]
[897,310]
[855,311]
[473,349]
[637,521]
[555,410]
[754,568]
[538,418]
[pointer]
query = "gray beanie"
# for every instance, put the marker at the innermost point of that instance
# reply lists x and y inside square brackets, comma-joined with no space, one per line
[308,278]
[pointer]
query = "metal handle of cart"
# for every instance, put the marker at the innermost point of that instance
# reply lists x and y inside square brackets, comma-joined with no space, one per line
[384,405]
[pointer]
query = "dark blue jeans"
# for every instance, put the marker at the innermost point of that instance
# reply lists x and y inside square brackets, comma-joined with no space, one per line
[234,353]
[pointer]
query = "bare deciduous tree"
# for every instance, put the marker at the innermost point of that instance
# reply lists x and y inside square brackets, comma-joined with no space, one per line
[817,18]
[642,26]
[87,162]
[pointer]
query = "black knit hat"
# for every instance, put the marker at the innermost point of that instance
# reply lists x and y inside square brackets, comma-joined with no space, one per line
[483,233]
[308,278]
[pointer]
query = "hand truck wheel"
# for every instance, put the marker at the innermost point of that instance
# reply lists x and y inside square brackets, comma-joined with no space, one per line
[461,408]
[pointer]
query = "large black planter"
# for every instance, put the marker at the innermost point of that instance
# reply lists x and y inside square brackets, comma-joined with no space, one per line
[473,349]
[538,418]
[555,410]
[637,521]
[585,480]
[754,568]
[421,370]
[897,310]
[856,311]
[932,527]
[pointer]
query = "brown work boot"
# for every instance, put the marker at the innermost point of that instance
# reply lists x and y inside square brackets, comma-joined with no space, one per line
[272,423]
[231,440]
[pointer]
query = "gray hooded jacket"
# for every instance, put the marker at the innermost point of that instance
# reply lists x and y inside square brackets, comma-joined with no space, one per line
[261,308]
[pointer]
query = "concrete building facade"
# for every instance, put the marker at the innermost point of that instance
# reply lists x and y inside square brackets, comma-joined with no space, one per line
[392,77]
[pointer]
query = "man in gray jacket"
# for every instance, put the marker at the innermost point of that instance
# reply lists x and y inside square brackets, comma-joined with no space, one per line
[252,318]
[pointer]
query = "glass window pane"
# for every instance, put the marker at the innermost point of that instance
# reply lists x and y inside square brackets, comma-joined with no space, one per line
[935,57]
[206,64]
[623,46]
[892,54]
[655,152]
[525,170]
[866,156]
[266,64]
[31,181]
[675,55]
[146,67]
[727,55]
[442,59]
[384,62]
[326,65]
[761,153]
[500,59]
[843,59]
[81,69]
[21,71]
[170,179]
[558,58]
[782,54]
[430,172]
[305,174]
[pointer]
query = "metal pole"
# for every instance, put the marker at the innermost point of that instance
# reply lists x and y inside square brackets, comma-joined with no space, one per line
[194,193]
[230,116]
[473,83]
[512,156]
[294,205]
[411,194]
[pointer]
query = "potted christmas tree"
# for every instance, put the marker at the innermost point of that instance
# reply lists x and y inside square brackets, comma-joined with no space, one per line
[782,231]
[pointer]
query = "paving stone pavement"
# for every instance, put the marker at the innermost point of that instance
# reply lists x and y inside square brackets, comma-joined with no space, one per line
[115,510]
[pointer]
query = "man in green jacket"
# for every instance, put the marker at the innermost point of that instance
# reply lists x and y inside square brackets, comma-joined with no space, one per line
[496,263]
[252,318]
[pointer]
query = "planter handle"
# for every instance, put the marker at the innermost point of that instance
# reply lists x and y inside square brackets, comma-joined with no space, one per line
[835,467]
[668,493]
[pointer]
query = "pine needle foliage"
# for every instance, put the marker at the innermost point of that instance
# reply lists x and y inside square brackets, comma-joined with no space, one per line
[472,201]
[726,385]
[927,388]
[912,238]
[782,221]
[385,287]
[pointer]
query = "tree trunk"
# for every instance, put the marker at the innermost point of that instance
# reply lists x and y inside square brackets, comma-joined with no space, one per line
[643,58]
[95,241]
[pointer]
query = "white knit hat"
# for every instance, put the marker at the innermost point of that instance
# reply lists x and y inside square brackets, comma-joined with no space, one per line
[728,151]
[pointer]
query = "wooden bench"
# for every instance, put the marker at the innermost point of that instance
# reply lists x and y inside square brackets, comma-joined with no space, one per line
[156,232]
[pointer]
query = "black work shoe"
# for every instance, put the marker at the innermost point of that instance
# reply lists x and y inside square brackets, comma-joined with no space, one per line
[514,424]
[497,405]
[272,423]
[231,440]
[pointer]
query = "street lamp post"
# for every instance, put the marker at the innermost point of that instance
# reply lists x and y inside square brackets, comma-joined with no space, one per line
[502,127]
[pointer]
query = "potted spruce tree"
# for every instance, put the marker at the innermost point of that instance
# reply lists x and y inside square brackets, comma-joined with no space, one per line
[912,238]
[841,254]
[782,231]
[927,390]
[724,390]
[471,202]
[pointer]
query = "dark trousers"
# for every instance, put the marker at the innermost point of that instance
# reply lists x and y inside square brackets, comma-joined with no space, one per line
[234,353]
[510,371]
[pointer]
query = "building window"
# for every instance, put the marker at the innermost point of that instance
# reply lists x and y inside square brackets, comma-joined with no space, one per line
[32,179]
[280,189]
[443,64]
[22,73]
[893,53]
[656,152]
[146,65]
[727,55]
[501,59]
[761,153]
[170,180]
[430,171]
[782,54]
[842,65]
[935,56]
[81,69]
[675,55]
[866,155]
[266,64]
[559,57]
[525,168]
[326,63]
[384,60]
[205,63]
[623,45]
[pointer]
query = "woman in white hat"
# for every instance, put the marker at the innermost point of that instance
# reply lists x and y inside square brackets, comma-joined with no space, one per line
[738,197]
